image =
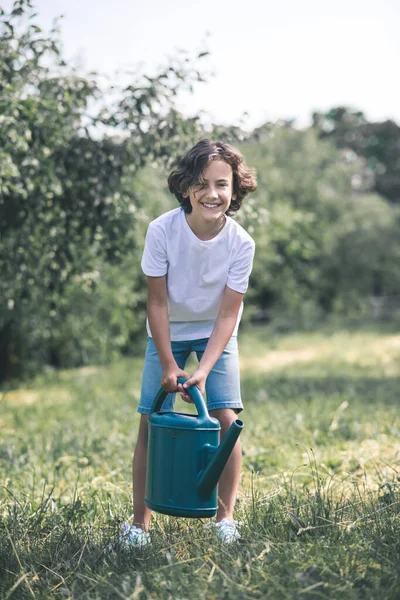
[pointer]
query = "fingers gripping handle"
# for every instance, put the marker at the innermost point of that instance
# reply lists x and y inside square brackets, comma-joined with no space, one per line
[193,392]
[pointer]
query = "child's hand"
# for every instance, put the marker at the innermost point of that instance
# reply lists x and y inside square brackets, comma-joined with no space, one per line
[198,379]
[169,380]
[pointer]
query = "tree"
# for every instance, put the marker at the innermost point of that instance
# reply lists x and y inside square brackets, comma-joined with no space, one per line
[377,143]
[321,245]
[64,200]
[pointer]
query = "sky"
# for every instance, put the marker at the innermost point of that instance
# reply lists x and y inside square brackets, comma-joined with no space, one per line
[271,59]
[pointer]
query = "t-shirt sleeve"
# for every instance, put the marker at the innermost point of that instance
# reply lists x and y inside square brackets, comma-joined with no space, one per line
[240,269]
[154,259]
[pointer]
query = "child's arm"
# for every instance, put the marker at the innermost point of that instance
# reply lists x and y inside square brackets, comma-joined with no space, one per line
[220,336]
[157,311]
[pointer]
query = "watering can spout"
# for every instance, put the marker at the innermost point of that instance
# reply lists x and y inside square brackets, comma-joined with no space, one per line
[211,474]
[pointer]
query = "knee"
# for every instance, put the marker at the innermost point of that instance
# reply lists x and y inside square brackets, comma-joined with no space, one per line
[226,416]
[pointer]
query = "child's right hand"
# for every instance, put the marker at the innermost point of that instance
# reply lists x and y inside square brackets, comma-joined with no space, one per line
[169,379]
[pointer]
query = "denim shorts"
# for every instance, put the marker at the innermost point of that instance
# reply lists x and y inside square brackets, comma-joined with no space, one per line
[222,384]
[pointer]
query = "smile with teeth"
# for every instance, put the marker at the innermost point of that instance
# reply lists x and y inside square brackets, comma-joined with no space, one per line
[210,206]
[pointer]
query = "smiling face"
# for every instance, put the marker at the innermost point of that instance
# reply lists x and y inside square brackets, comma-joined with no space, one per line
[211,198]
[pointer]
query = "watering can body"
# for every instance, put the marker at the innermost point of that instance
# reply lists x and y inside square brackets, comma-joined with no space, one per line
[185,459]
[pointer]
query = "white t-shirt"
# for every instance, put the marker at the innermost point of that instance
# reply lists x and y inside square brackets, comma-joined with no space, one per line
[197,271]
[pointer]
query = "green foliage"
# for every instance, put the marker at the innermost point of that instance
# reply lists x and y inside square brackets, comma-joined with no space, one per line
[320,244]
[66,201]
[366,249]
[377,143]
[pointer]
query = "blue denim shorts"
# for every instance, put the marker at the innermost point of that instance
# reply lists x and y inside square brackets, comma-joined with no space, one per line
[222,384]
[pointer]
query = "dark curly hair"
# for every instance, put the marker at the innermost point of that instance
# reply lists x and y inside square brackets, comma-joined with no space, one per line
[191,167]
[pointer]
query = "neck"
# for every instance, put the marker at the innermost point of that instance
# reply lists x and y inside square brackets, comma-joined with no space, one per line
[205,230]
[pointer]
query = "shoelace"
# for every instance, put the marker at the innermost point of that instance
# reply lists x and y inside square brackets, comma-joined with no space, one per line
[224,523]
[134,535]
[229,523]
[125,527]
[226,529]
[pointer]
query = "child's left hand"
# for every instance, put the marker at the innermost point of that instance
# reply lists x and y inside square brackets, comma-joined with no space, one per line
[198,379]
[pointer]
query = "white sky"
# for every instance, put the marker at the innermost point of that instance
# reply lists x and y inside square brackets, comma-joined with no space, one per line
[271,58]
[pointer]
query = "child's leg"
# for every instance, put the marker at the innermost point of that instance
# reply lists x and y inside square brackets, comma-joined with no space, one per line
[224,402]
[151,378]
[230,478]
[141,514]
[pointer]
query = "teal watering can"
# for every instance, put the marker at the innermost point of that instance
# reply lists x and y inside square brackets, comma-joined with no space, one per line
[185,459]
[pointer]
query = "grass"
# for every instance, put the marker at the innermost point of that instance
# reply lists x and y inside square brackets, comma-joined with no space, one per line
[319,496]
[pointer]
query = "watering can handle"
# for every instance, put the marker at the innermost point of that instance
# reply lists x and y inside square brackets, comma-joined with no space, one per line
[193,392]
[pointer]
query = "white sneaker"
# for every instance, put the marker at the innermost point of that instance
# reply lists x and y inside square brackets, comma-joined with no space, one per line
[226,530]
[133,536]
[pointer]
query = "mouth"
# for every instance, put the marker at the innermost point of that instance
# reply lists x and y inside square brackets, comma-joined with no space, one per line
[209,206]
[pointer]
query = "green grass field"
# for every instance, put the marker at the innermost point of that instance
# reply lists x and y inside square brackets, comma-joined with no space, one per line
[319,496]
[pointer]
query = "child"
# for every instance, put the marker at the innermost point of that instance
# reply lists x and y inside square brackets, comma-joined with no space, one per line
[198,261]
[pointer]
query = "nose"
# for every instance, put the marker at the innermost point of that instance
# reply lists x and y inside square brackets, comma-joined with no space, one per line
[213,192]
